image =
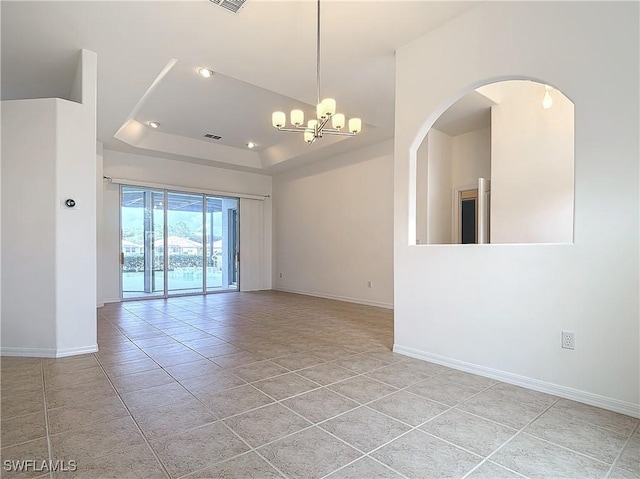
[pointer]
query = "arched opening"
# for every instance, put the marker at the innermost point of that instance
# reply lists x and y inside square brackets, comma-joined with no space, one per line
[498,167]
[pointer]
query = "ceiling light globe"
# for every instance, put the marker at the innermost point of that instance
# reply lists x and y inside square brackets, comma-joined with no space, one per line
[355,125]
[547,101]
[251,145]
[337,121]
[312,124]
[329,106]
[278,119]
[154,124]
[297,117]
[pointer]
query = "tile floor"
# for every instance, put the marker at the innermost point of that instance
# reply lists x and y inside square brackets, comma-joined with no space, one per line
[272,385]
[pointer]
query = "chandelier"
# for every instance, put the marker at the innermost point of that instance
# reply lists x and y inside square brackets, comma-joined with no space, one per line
[325,111]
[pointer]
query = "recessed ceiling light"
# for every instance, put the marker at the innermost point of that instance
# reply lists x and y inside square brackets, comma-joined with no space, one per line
[205,72]
[154,124]
[251,144]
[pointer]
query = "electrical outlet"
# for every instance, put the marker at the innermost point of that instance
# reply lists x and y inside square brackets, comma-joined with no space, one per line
[370,284]
[568,340]
[281,275]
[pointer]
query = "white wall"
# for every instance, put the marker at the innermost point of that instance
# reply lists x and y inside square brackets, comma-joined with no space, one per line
[180,174]
[49,268]
[29,208]
[439,189]
[471,157]
[333,227]
[520,297]
[532,163]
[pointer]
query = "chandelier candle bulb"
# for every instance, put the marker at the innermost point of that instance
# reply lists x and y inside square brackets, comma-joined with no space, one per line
[355,125]
[321,111]
[278,119]
[297,117]
[308,136]
[337,121]
[329,106]
[312,125]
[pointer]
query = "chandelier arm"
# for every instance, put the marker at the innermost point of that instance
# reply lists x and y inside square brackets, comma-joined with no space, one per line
[331,131]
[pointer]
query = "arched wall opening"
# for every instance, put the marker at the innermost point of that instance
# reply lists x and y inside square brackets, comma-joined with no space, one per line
[496,166]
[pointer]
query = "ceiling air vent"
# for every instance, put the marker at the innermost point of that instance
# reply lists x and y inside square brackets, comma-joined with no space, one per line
[231,5]
[211,136]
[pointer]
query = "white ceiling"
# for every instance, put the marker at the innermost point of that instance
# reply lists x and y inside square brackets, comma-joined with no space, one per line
[264,59]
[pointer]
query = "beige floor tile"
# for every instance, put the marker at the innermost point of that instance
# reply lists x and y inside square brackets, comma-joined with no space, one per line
[19,386]
[130,367]
[360,363]
[96,439]
[471,381]
[365,468]
[309,454]
[489,470]
[600,417]
[23,429]
[259,371]
[193,370]
[320,404]
[137,462]
[408,408]
[79,415]
[417,454]
[364,428]
[36,451]
[396,375]
[237,359]
[246,466]
[286,385]
[619,473]
[198,448]
[326,373]
[143,380]
[155,396]
[509,405]
[443,391]
[60,379]
[475,434]
[630,458]
[236,401]
[79,393]
[599,443]
[266,424]
[173,418]
[21,405]
[71,363]
[173,359]
[535,459]
[213,383]
[362,389]
[297,361]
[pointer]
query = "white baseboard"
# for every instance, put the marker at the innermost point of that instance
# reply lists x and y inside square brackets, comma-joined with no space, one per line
[46,353]
[110,300]
[28,352]
[585,397]
[366,302]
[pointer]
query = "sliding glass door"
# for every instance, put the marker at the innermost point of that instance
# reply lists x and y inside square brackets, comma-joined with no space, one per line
[141,260]
[184,242]
[222,244]
[176,243]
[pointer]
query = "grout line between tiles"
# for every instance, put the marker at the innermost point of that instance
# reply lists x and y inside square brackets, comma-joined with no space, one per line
[615,461]
[144,436]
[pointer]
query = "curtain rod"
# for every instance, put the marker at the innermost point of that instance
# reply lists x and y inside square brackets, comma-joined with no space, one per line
[122,181]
